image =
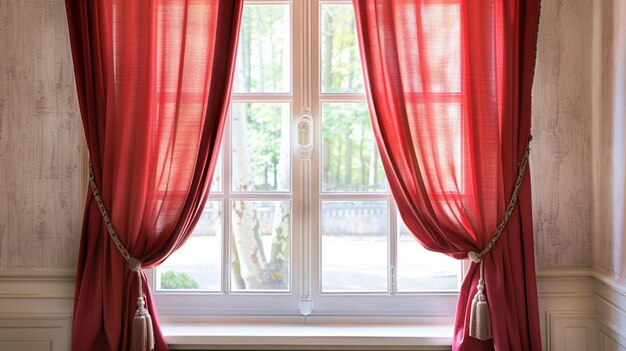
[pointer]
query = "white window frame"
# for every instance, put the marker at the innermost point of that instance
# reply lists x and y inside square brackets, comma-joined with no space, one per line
[305,293]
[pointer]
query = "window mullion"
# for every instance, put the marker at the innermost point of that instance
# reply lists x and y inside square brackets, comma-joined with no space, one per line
[226,171]
[303,137]
[393,245]
[313,75]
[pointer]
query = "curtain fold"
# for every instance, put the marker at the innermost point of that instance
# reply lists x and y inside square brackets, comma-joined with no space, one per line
[153,81]
[449,92]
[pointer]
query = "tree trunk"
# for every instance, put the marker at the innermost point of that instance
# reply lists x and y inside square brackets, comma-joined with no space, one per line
[327,32]
[373,166]
[246,238]
[362,158]
[244,53]
[348,158]
[338,162]
[326,162]
[235,268]
[351,73]
[258,24]
[245,224]
[279,258]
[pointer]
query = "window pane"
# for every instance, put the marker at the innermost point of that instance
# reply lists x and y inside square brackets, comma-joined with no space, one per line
[422,270]
[264,52]
[260,147]
[354,246]
[260,245]
[197,264]
[340,60]
[350,159]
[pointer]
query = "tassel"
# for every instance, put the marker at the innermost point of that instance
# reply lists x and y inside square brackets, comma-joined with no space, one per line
[480,321]
[142,338]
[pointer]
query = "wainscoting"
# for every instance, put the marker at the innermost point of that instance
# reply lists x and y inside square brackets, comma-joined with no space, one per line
[36,310]
[581,310]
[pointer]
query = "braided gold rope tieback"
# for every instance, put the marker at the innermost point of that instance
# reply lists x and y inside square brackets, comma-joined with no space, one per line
[480,321]
[476,257]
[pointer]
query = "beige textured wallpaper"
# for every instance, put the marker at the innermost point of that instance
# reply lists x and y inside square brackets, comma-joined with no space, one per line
[561,150]
[40,184]
[40,131]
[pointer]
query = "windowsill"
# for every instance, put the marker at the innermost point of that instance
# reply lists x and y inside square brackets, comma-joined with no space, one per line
[319,336]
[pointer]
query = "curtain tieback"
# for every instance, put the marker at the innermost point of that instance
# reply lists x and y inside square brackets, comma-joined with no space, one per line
[142,338]
[480,321]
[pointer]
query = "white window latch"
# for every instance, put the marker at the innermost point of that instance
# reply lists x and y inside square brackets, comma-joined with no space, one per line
[305,134]
[306,307]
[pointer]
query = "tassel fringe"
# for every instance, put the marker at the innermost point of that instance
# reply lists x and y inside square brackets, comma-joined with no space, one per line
[480,321]
[142,337]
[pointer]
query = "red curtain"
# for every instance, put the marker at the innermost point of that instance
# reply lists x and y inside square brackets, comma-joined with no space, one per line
[153,81]
[449,90]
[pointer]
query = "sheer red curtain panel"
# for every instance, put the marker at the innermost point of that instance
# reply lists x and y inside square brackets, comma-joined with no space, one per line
[449,90]
[153,81]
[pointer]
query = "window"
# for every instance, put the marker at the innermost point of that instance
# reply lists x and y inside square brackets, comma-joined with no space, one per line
[300,215]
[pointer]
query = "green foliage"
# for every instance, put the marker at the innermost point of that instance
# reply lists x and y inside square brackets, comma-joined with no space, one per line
[177,280]
[264,49]
[341,66]
[264,135]
[350,149]
[263,67]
